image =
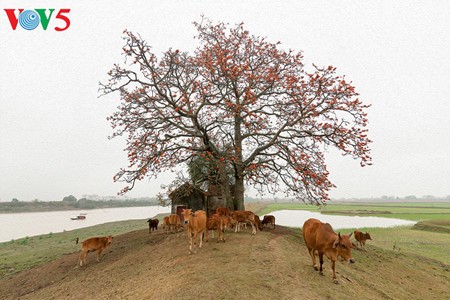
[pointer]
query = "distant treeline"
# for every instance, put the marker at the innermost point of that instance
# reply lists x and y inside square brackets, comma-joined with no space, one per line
[36,206]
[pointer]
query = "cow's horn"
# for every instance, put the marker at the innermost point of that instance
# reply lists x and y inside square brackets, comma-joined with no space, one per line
[336,242]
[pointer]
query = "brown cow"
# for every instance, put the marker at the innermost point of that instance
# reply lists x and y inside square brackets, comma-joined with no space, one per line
[243,216]
[223,211]
[226,222]
[94,244]
[196,225]
[174,222]
[216,222]
[166,224]
[361,238]
[269,219]
[152,224]
[258,222]
[321,237]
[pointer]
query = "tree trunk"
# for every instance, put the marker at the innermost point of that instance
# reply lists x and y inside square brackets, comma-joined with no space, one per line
[225,186]
[239,191]
[238,167]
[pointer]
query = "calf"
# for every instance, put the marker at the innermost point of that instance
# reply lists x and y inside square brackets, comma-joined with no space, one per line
[152,224]
[361,238]
[320,237]
[196,226]
[94,244]
[269,219]
[243,216]
[216,222]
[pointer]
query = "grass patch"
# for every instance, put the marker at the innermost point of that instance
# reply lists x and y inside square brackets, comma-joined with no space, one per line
[405,211]
[442,226]
[406,240]
[25,253]
[428,238]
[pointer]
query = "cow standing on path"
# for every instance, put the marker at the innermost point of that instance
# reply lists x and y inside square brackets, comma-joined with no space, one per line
[166,224]
[152,224]
[196,226]
[243,216]
[97,244]
[175,223]
[268,219]
[321,237]
[216,222]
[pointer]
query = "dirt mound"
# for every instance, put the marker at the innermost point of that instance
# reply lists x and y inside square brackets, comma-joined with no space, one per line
[273,264]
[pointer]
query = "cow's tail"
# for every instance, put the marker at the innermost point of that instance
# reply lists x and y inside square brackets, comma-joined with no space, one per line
[76,241]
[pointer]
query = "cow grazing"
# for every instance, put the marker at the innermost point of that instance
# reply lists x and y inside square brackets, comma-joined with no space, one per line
[226,222]
[152,224]
[94,244]
[361,238]
[258,223]
[216,222]
[196,226]
[268,219]
[320,237]
[243,216]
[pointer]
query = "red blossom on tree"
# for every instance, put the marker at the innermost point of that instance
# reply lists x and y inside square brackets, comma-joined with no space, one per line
[241,101]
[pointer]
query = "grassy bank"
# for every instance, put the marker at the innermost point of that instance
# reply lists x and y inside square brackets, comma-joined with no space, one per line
[25,253]
[405,211]
[428,239]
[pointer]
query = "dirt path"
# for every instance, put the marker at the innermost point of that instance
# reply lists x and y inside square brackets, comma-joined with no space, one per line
[274,264]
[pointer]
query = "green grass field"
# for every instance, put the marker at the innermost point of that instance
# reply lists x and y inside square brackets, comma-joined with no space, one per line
[405,211]
[429,238]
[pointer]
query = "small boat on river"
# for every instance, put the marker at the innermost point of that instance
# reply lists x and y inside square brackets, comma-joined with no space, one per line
[79,217]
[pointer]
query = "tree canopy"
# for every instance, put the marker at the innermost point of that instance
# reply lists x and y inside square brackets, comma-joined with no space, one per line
[70,198]
[240,101]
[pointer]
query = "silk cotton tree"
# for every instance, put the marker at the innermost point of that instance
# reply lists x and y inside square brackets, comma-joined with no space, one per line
[241,101]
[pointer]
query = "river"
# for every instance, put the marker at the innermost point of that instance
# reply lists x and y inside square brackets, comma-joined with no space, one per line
[296,218]
[19,225]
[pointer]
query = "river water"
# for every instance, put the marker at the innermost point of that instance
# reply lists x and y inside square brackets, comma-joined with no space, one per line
[15,226]
[296,218]
[19,225]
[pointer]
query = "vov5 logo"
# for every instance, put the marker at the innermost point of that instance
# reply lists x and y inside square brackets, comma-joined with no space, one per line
[30,19]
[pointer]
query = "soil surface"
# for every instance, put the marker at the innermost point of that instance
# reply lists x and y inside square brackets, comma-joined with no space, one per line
[273,264]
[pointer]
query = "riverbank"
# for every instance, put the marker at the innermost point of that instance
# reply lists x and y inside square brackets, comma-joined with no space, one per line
[44,206]
[20,225]
[274,263]
[25,253]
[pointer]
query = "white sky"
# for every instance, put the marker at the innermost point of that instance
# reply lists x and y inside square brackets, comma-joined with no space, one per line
[53,128]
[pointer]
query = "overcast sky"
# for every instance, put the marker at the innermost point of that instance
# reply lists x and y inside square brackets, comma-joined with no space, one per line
[53,128]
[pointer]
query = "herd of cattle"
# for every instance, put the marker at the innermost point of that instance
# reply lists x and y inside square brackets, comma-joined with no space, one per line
[198,225]
[319,237]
